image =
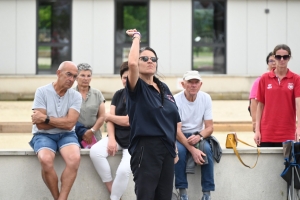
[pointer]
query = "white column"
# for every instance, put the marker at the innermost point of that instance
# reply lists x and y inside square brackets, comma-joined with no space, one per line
[93,34]
[26,16]
[170,34]
[256,38]
[8,37]
[237,37]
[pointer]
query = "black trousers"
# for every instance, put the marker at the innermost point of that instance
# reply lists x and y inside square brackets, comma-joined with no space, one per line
[152,166]
[270,144]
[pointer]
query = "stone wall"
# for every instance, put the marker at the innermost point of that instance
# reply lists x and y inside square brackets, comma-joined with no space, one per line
[21,177]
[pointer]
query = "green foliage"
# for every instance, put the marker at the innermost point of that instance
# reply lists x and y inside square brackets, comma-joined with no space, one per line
[44,67]
[45,14]
[203,22]
[136,17]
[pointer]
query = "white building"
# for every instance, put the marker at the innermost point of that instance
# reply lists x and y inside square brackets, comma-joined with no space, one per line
[230,37]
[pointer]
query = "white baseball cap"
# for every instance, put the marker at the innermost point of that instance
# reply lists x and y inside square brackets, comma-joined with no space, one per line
[191,75]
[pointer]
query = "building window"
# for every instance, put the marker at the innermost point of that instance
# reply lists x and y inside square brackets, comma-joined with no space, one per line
[129,14]
[53,34]
[209,39]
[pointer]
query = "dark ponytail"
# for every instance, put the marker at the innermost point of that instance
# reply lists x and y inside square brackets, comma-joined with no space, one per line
[161,88]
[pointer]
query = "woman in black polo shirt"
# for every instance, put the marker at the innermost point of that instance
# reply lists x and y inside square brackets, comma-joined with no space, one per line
[153,119]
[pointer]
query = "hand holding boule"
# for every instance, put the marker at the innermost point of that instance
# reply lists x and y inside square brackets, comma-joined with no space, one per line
[130,32]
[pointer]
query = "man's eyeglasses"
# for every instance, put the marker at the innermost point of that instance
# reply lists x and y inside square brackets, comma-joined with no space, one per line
[146,58]
[70,75]
[285,57]
[271,61]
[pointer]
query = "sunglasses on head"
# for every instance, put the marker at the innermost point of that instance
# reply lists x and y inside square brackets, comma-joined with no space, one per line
[146,58]
[285,57]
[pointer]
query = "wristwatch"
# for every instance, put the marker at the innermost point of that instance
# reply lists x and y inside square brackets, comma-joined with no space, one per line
[47,120]
[201,136]
[93,130]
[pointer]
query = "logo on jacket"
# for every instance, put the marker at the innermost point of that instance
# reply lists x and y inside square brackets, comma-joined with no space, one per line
[269,86]
[170,97]
[291,86]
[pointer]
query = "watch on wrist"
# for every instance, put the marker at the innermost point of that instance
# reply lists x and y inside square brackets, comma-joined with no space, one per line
[201,136]
[93,130]
[47,120]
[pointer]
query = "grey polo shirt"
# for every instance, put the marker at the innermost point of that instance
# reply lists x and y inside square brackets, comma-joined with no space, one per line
[55,105]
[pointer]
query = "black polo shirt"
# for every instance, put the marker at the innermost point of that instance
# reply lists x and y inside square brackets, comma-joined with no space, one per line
[148,117]
[122,133]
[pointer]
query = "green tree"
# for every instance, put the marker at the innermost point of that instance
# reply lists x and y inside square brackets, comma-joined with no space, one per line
[45,17]
[136,17]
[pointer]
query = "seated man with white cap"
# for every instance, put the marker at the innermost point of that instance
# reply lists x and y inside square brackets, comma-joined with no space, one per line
[195,110]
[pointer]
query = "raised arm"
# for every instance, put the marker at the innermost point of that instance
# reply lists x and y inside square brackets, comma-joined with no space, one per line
[133,58]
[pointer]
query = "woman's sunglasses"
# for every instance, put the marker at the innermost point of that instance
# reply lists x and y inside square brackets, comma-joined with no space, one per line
[146,58]
[285,57]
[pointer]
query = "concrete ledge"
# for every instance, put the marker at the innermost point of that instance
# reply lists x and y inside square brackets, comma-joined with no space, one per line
[21,179]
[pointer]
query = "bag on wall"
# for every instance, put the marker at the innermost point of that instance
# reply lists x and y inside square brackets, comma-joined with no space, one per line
[232,142]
